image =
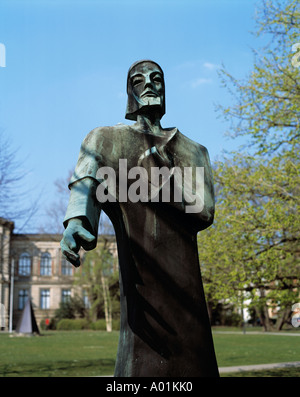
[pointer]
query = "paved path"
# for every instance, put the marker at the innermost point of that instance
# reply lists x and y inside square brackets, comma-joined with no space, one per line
[259,333]
[258,367]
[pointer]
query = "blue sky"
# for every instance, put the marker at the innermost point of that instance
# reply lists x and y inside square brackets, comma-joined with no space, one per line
[67,63]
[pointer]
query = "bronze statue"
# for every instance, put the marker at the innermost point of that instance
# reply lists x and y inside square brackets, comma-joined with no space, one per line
[165,329]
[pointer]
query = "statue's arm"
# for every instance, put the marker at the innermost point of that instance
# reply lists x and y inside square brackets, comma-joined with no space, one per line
[81,220]
[82,217]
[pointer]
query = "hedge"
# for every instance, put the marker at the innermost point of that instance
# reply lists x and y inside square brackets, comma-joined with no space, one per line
[67,324]
[99,325]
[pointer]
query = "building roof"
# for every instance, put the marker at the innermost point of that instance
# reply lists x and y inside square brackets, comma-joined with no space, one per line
[36,237]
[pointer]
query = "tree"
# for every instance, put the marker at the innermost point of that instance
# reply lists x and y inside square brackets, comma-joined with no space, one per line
[252,251]
[12,190]
[57,210]
[71,308]
[99,278]
[267,102]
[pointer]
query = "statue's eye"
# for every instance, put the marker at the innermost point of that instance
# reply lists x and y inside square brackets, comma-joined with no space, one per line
[136,81]
[157,79]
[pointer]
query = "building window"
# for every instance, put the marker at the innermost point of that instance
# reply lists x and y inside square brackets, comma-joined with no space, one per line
[45,269]
[24,264]
[66,268]
[65,295]
[45,299]
[22,298]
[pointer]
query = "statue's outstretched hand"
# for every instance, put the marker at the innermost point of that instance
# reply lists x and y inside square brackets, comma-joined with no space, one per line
[74,237]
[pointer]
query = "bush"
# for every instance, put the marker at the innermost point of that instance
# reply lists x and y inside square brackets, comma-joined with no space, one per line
[72,308]
[51,324]
[67,324]
[233,319]
[99,325]
[116,325]
[43,325]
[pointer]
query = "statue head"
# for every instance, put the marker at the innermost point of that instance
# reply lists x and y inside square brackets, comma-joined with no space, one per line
[145,89]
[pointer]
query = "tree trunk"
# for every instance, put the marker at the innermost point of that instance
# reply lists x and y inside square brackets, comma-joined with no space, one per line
[264,318]
[107,303]
[209,310]
[282,318]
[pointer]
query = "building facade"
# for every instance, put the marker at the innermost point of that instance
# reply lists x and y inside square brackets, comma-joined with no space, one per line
[32,266]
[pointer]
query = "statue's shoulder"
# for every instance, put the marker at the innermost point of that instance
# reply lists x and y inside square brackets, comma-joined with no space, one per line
[104,130]
[190,145]
[99,134]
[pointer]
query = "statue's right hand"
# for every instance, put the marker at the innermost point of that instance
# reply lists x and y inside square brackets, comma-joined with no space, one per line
[74,237]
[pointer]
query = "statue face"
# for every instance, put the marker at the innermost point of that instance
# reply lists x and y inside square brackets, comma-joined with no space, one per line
[146,86]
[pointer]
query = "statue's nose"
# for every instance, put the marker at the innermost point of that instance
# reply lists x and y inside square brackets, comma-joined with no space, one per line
[148,82]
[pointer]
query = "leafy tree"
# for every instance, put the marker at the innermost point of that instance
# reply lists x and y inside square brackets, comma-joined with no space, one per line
[252,250]
[267,102]
[99,278]
[71,308]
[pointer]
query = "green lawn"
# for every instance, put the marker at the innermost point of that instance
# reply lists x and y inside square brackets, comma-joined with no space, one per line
[59,353]
[92,353]
[249,349]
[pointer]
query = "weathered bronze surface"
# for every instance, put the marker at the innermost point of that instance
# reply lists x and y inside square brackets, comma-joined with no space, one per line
[165,328]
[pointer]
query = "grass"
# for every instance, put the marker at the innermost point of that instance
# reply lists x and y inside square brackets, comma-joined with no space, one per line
[93,353]
[250,349]
[59,354]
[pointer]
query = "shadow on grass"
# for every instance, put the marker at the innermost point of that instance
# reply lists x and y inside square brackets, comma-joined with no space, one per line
[73,368]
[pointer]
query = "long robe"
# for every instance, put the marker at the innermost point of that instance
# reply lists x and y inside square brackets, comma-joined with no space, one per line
[165,328]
